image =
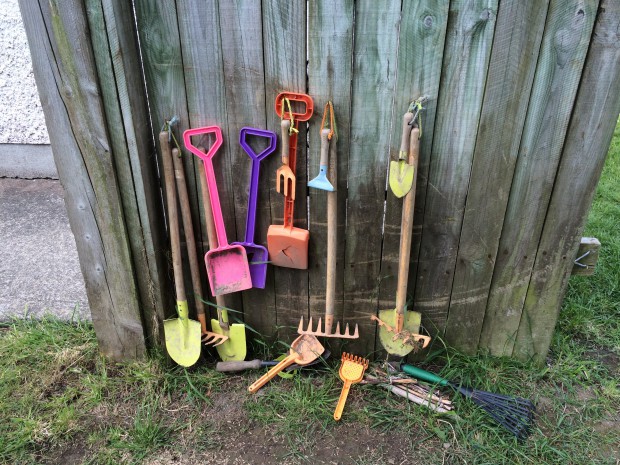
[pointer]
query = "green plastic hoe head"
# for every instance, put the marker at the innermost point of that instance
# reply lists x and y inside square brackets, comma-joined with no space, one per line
[234,349]
[183,337]
[403,342]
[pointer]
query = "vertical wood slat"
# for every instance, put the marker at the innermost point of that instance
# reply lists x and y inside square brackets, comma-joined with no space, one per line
[112,30]
[518,34]
[374,76]
[164,75]
[284,43]
[75,116]
[565,43]
[420,52]
[205,87]
[590,131]
[330,42]
[242,55]
[466,60]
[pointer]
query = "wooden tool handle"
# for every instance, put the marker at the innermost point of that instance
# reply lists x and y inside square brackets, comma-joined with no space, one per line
[212,238]
[285,126]
[332,237]
[186,214]
[404,140]
[324,147]
[272,373]
[231,367]
[173,215]
[406,229]
[342,400]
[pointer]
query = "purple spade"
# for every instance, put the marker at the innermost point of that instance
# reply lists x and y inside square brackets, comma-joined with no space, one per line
[257,254]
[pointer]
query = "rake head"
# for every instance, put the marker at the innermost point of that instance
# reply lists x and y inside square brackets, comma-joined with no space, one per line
[286,177]
[209,338]
[326,330]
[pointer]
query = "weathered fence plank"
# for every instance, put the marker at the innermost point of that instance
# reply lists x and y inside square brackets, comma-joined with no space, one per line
[242,54]
[420,53]
[164,75]
[75,116]
[284,45]
[466,59]
[590,131]
[565,43]
[374,76]
[205,84]
[518,34]
[112,30]
[330,43]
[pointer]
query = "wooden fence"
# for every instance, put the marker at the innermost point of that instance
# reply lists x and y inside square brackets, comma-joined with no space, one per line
[523,97]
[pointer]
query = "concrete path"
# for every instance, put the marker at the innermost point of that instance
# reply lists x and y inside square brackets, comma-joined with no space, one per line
[39,268]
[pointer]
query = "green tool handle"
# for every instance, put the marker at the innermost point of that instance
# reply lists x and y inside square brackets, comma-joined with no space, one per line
[424,375]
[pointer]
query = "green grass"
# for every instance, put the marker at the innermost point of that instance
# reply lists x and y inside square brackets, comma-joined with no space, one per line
[60,402]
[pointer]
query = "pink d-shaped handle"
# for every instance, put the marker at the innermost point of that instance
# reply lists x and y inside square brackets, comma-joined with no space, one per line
[207,158]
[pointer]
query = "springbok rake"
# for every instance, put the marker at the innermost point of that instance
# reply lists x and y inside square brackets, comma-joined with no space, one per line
[326,330]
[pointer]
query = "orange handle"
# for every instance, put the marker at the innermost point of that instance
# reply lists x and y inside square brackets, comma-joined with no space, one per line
[342,400]
[272,373]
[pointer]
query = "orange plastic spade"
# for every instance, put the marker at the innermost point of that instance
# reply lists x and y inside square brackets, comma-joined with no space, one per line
[288,245]
[304,350]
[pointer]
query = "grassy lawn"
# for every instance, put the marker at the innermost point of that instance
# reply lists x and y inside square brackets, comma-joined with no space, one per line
[61,403]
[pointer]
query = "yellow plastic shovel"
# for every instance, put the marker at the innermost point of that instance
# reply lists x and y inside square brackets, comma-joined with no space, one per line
[182,335]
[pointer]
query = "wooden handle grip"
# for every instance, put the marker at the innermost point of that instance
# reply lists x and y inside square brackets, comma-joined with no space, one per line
[231,367]
[406,226]
[186,214]
[324,147]
[173,215]
[404,140]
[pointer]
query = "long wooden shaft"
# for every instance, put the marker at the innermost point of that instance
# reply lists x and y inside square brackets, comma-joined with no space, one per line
[173,216]
[406,231]
[332,238]
[192,253]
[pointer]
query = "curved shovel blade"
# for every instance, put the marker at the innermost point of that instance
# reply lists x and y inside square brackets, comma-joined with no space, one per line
[183,338]
[411,324]
[234,349]
[401,177]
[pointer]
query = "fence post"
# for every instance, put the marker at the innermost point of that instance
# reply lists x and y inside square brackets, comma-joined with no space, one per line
[91,168]
[587,141]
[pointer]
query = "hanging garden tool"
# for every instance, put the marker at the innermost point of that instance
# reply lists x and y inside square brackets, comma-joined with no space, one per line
[304,350]
[329,138]
[399,329]
[351,371]
[257,254]
[182,335]
[208,337]
[516,414]
[402,172]
[288,245]
[227,265]
[234,349]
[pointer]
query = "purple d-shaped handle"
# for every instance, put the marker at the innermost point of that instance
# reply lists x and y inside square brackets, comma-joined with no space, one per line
[256,159]
[258,253]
